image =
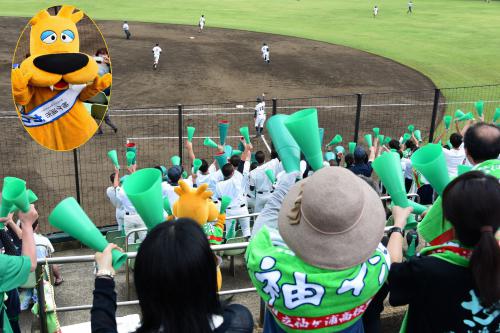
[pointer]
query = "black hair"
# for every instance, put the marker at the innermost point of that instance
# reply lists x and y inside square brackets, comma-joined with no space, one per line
[253,166]
[227,170]
[235,160]
[260,157]
[471,202]
[102,50]
[456,140]
[411,145]
[482,142]
[175,258]
[274,154]
[112,178]
[349,160]
[394,144]
[204,166]
[35,224]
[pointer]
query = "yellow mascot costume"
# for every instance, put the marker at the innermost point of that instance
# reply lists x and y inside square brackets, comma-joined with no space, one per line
[54,80]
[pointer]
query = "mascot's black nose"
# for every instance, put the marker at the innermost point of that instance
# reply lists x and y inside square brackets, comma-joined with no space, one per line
[61,63]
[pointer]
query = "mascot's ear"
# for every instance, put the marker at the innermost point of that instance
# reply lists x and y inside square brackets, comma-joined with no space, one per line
[41,15]
[202,188]
[67,11]
[206,194]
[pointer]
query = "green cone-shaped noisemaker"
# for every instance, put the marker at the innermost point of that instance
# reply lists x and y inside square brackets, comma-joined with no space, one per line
[175,160]
[143,188]
[190,133]
[335,141]
[496,116]
[166,206]
[459,114]
[376,131]
[406,137]
[321,136]
[130,146]
[381,139]
[184,174]
[241,146]
[223,127]
[209,143]
[479,105]
[303,126]
[352,147]
[113,156]
[32,198]
[418,135]
[236,152]
[387,140]
[228,150]
[388,168]
[270,175]
[447,121]
[221,159]
[431,163]
[467,116]
[69,217]
[411,128]
[369,140]
[196,165]
[224,203]
[285,145]
[245,133]
[130,158]
[14,194]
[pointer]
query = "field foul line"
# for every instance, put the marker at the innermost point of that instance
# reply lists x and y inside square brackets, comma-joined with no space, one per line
[265,142]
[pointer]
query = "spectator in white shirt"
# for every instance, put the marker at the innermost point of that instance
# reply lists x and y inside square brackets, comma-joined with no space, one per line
[260,182]
[456,155]
[111,193]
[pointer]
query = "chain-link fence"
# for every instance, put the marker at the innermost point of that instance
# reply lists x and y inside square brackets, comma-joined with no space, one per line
[160,133]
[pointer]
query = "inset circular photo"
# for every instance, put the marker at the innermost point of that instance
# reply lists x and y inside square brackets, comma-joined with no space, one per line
[61,77]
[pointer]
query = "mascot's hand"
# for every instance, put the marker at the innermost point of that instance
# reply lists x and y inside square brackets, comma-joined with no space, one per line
[20,79]
[221,220]
[102,82]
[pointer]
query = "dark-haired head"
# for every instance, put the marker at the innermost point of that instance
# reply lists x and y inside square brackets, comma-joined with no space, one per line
[411,145]
[260,157]
[349,159]
[204,166]
[394,144]
[176,279]
[112,178]
[482,142]
[227,170]
[253,166]
[456,140]
[471,202]
[235,160]
[274,154]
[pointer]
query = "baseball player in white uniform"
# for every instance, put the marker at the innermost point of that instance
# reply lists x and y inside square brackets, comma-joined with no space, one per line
[126,29]
[265,53]
[201,23]
[156,55]
[260,183]
[375,11]
[260,115]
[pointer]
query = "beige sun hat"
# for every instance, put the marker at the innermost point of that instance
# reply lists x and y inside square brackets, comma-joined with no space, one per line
[332,220]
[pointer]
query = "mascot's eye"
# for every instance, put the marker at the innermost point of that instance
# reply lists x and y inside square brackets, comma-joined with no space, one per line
[67,36]
[48,37]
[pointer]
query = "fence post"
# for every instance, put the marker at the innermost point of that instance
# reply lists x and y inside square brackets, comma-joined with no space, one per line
[275,106]
[179,113]
[358,116]
[435,108]
[77,175]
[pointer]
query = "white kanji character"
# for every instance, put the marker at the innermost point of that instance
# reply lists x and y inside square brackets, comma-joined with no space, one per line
[332,321]
[356,285]
[301,292]
[270,278]
[301,323]
[316,323]
[346,316]
[286,321]
[359,310]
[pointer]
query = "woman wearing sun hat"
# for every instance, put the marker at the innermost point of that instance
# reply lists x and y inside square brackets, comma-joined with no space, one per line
[315,256]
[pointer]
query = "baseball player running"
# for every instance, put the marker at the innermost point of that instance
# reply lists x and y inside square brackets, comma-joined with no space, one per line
[260,115]
[156,55]
[375,11]
[201,23]
[265,53]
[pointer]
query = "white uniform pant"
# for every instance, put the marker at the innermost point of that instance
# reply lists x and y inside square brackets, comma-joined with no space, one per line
[265,55]
[156,58]
[119,218]
[243,222]
[251,203]
[201,25]
[259,121]
[134,221]
[261,200]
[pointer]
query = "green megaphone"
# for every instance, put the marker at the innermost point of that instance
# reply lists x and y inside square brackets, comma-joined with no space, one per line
[303,126]
[196,165]
[388,168]
[113,156]
[166,206]
[190,133]
[221,159]
[223,127]
[130,158]
[236,152]
[228,150]
[418,135]
[143,188]
[270,175]
[245,133]
[447,121]
[387,140]
[14,194]
[32,198]
[132,147]
[329,156]
[69,217]
[431,163]
[209,143]
[459,114]
[461,169]
[352,147]
[241,147]
[224,203]
[411,128]
[369,140]
[336,140]
[418,209]
[479,105]
[376,131]
[467,116]
[381,139]
[176,160]
[184,174]
[496,116]
[321,136]
[285,145]
[406,137]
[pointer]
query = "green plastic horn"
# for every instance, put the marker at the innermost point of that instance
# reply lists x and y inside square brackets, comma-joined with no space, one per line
[459,114]
[209,143]
[196,165]
[461,169]
[321,136]
[224,203]
[223,127]
[69,217]
[447,121]
[32,198]
[166,206]
[406,137]
[418,135]
[236,152]
[479,105]
[221,159]
[387,140]
[285,145]
[376,131]
[130,158]
[132,147]
[369,140]
[184,174]
[352,147]
[143,188]
[411,128]
[467,116]
[241,147]
[270,175]
[329,156]
[245,133]
[496,116]
[388,169]
[303,126]
[14,193]
[176,160]
[113,156]
[228,150]
[431,163]
[190,132]
[381,139]
[335,141]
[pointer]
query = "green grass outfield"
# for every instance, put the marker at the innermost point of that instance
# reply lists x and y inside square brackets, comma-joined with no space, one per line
[454,42]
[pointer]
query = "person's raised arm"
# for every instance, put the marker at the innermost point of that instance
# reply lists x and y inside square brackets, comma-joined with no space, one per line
[373,153]
[439,137]
[189,147]
[395,245]
[13,226]
[116,180]
[29,246]
[466,127]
